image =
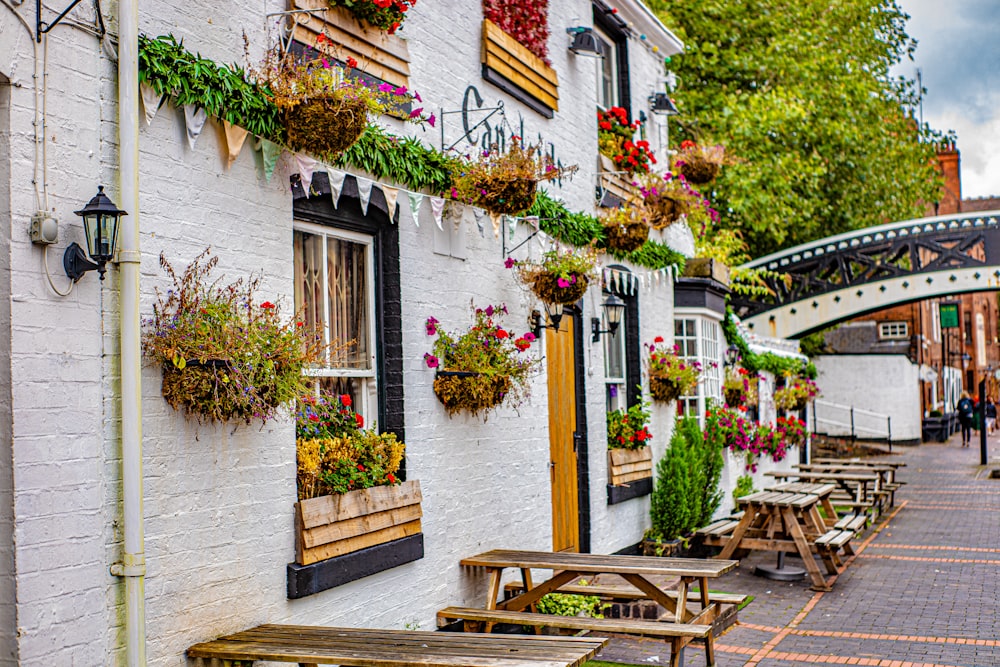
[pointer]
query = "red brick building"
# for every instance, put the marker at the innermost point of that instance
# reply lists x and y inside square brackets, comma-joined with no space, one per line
[971,351]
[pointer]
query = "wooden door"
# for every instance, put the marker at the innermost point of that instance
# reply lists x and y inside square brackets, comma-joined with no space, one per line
[560,351]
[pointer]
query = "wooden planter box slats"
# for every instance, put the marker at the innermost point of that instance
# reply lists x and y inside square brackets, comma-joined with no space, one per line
[629,465]
[618,184]
[331,526]
[378,53]
[514,62]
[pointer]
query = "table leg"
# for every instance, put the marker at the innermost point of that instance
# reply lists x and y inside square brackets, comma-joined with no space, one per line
[703,588]
[492,594]
[654,593]
[681,616]
[734,540]
[526,582]
[802,545]
[831,512]
[530,597]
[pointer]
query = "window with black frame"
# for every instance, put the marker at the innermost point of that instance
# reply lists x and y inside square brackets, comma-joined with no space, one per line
[613,88]
[621,347]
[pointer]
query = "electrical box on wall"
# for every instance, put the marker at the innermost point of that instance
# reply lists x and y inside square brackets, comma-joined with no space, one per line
[44,229]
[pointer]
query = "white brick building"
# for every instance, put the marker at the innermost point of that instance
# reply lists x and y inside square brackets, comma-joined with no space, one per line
[218,501]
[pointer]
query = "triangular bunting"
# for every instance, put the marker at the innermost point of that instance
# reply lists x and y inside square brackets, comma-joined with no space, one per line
[480,216]
[391,195]
[496,219]
[235,137]
[150,101]
[336,184]
[194,120]
[272,152]
[364,192]
[416,199]
[437,208]
[512,226]
[306,165]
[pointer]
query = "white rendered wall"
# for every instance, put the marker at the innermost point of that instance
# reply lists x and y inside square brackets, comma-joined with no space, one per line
[884,383]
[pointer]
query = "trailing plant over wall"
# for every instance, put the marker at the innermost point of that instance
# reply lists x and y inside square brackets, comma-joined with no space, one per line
[223,91]
[527,21]
[775,364]
[404,160]
[580,229]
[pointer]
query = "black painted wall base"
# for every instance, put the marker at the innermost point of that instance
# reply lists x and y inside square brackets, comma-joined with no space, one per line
[619,494]
[306,580]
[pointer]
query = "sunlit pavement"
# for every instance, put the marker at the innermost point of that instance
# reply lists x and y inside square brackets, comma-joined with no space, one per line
[923,590]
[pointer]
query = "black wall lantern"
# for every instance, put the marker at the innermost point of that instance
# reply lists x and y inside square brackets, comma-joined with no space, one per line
[584,42]
[732,355]
[554,313]
[100,225]
[613,309]
[661,104]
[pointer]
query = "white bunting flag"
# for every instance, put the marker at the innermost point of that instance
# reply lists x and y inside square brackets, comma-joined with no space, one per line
[391,195]
[364,192]
[480,216]
[306,166]
[336,184]
[194,119]
[271,152]
[416,199]
[437,208]
[150,101]
[236,136]
[496,219]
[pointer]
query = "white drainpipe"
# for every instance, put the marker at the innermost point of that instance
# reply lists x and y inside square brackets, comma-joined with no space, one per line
[133,566]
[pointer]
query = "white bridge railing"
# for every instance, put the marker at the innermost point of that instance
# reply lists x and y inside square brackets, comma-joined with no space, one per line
[836,419]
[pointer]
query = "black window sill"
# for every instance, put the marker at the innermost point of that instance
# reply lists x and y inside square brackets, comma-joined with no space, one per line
[305,580]
[623,492]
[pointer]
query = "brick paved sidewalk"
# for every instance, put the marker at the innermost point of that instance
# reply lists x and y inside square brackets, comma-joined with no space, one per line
[923,590]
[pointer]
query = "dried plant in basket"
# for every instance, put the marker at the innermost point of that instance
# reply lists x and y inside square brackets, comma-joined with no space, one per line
[225,355]
[699,164]
[667,198]
[483,367]
[325,108]
[560,276]
[505,182]
[670,375]
[625,229]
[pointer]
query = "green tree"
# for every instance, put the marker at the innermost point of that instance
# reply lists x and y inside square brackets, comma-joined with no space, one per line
[800,93]
[673,493]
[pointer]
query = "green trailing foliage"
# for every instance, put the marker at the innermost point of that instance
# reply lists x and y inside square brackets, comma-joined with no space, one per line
[402,159]
[581,229]
[222,91]
[769,362]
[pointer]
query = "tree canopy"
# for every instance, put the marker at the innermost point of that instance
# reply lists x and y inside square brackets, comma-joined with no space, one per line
[800,92]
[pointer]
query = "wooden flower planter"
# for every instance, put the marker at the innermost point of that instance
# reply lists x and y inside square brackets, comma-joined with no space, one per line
[331,526]
[629,465]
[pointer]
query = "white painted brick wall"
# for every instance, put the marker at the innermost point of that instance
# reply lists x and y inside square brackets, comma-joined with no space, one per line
[218,500]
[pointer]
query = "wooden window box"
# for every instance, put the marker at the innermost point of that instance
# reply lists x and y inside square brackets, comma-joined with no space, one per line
[331,526]
[615,186]
[378,53]
[630,473]
[510,66]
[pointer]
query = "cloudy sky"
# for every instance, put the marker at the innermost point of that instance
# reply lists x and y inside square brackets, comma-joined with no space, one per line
[959,56]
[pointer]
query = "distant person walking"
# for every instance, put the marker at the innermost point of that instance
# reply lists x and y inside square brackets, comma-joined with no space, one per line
[991,415]
[966,409]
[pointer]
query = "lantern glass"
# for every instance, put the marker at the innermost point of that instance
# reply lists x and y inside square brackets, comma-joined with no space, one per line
[101,230]
[614,308]
[554,311]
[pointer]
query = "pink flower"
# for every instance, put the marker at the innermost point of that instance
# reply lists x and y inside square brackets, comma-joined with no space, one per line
[432,121]
[385,88]
[416,112]
[400,91]
[562,282]
[509,263]
[431,360]
[416,96]
[530,337]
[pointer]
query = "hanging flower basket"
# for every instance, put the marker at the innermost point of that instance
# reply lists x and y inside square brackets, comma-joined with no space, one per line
[699,164]
[626,236]
[560,276]
[505,196]
[664,389]
[326,126]
[476,393]
[664,210]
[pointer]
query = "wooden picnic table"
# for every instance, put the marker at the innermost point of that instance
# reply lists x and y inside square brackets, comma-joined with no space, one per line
[312,645]
[569,567]
[783,522]
[855,484]
[821,491]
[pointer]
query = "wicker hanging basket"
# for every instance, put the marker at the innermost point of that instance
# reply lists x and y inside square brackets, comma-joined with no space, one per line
[546,287]
[698,169]
[664,210]
[663,389]
[626,236]
[326,126]
[506,196]
[473,392]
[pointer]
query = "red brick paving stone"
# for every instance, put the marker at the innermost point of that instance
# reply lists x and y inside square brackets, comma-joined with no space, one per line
[924,595]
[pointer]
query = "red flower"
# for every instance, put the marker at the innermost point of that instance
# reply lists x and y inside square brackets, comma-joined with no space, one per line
[658,339]
[313,418]
[268,305]
[361,468]
[345,400]
[359,420]
[391,478]
[687,143]
[351,62]
[500,334]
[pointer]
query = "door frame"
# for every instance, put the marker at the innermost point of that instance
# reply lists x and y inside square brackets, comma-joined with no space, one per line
[582,455]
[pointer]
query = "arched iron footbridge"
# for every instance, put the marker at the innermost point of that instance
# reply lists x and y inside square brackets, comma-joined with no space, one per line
[840,277]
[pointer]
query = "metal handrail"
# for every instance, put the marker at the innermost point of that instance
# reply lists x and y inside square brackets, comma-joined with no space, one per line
[853,426]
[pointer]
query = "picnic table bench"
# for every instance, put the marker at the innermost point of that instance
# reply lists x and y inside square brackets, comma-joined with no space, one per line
[887,470]
[686,625]
[312,645]
[859,490]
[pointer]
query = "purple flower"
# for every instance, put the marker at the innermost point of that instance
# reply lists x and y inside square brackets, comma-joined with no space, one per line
[431,360]
[509,263]
[385,88]
[400,91]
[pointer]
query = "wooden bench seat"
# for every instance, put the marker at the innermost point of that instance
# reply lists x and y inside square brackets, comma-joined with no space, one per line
[628,593]
[853,523]
[677,634]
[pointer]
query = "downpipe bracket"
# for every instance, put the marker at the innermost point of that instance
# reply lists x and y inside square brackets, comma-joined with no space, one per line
[132,565]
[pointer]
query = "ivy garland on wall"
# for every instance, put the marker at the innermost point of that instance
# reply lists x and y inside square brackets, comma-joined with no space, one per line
[225,91]
[769,362]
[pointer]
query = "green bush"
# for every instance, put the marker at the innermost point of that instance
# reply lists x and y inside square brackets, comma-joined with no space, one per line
[744,487]
[709,467]
[569,604]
